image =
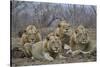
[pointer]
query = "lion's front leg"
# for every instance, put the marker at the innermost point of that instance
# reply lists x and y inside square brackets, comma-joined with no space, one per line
[48,57]
[27,49]
[60,56]
[76,52]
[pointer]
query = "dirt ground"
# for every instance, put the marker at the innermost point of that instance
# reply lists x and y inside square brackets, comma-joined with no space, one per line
[69,59]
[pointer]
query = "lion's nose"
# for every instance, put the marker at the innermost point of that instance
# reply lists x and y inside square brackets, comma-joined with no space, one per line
[56,48]
[32,39]
[83,38]
[66,29]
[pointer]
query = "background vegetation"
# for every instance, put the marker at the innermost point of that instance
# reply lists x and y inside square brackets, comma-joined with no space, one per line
[45,15]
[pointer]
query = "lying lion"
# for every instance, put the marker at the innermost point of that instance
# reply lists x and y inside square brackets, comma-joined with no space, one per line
[48,49]
[80,41]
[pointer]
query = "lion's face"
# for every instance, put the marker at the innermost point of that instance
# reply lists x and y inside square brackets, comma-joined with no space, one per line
[64,28]
[32,37]
[32,32]
[54,44]
[81,35]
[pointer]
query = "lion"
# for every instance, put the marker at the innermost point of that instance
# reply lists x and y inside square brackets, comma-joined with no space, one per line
[80,41]
[48,49]
[34,33]
[66,49]
[31,34]
[79,37]
[63,31]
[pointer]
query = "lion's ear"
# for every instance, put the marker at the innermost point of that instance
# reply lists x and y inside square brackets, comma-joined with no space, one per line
[57,35]
[47,38]
[21,32]
[24,31]
[76,31]
[59,25]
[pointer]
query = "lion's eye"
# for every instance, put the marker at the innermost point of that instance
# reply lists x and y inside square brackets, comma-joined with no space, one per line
[66,28]
[32,39]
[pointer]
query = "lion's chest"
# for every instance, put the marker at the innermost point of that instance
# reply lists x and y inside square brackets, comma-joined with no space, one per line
[84,46]
[65,39]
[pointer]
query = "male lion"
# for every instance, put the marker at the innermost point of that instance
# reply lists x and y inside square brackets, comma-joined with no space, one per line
[66,49]
[47,49]
[31,34]
[79,38]
[80,41]
[63,31]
